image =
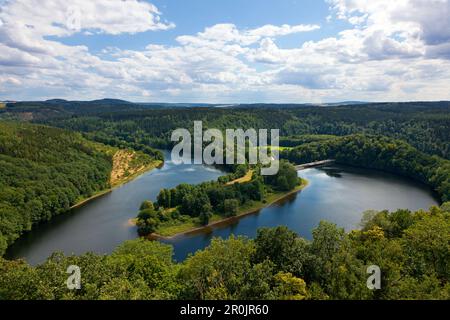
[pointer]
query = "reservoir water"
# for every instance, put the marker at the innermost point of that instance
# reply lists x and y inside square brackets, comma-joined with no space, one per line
[102,224]
[335,193]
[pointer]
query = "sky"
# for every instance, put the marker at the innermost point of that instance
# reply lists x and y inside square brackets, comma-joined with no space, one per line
[225,51]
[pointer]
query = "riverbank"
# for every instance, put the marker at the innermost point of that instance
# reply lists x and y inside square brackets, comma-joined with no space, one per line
[190,228]
[119,182]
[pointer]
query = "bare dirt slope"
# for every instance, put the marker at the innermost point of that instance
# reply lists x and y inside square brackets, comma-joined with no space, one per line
[126,164]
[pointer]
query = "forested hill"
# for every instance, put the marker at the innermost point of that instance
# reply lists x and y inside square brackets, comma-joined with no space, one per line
[378,152]
[424,125]
[44,171]
[57,108]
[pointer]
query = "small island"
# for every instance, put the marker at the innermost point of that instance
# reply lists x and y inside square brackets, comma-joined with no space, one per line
[188,208]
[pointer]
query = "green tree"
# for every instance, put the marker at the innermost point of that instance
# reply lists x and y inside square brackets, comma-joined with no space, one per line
[327,239]
[147,205]
[427,244]
[282,247]
[288,287]
[205,214]
[285,179]
[221,267]
[230,207]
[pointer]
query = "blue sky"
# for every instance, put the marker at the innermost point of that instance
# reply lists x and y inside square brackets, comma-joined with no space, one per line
[194,16]
[225,51]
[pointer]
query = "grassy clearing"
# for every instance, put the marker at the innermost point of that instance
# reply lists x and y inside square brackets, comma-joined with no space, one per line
[174,227]
[171,230]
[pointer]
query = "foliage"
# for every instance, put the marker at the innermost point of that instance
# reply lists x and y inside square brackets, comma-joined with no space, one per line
[424,125]
[282,247]
[276,265]
[230,207]
[378,152]
[285,179]
[202,201]
[43,172]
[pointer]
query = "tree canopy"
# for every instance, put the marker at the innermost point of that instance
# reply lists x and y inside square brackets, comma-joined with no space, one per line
[276,265]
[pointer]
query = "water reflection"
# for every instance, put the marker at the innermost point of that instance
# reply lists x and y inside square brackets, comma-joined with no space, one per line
[335,193]
[102,224]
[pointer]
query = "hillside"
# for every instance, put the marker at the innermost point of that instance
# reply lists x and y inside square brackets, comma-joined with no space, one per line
[138,126]
[126,164]
[381,153]
[44,171]
[423,125]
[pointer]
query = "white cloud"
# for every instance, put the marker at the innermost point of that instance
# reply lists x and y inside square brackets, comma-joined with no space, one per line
[391,50]
[275,31]
[403,27]
[60,18]
[220,34]
[27,24]
[10,81]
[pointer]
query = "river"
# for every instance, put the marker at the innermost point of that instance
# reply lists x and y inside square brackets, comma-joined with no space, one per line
[335,193]
[102,224]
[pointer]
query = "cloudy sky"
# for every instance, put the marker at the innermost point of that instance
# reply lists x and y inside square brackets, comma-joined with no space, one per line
[225,51]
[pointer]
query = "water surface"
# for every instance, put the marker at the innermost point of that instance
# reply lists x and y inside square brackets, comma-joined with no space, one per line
[102,224]
[335,193]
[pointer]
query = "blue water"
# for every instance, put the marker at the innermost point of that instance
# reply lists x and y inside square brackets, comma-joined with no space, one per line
[339,194]
[103,223]
[336,193]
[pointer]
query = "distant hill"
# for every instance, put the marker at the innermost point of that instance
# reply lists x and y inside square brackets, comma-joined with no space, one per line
[107,101]
[56,108]
[346,103]
[60,108]
[299,105]
[55,101]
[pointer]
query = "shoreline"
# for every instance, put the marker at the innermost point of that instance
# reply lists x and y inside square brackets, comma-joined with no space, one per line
[225,221]
[155,164]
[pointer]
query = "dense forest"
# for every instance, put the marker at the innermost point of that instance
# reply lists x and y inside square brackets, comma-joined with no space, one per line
[378,152]
[424,125]
[277,264]
[43,172]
